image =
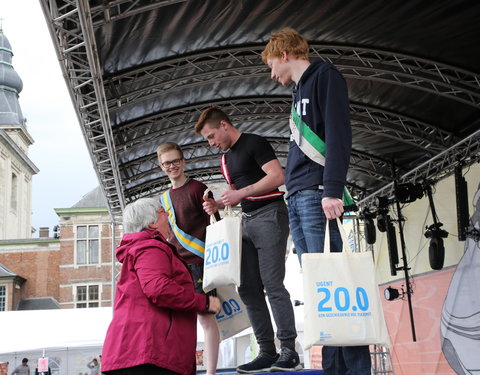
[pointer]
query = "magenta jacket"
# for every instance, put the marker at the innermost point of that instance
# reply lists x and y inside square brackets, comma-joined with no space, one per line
[155,311]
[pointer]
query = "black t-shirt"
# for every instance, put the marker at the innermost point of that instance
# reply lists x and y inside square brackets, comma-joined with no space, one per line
[244,163]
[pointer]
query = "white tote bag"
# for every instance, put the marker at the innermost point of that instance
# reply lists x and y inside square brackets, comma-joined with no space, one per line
[233,317]
[342,302]
[223,251]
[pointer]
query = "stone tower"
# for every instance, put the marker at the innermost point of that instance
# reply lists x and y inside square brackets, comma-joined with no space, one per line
[16,169]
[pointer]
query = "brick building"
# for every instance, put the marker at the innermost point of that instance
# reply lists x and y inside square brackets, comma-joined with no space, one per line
[71,271]
[87,247]
[31,274]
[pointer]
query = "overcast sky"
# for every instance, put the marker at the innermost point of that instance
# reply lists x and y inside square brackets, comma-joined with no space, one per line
[60,152]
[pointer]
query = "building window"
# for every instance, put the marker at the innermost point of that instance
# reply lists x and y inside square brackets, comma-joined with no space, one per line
[87,244]
[13,193]
[87,296]
[3,298]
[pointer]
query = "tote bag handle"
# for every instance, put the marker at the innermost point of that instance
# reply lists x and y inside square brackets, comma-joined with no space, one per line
[326,246]
[227,211]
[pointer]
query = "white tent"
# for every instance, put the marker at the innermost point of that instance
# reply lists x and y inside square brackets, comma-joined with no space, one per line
[70,338]
[45,329]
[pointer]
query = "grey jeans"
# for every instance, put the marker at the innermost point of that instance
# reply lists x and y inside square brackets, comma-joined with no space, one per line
[265,233]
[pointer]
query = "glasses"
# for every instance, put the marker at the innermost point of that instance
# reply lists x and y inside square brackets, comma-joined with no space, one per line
[175,162]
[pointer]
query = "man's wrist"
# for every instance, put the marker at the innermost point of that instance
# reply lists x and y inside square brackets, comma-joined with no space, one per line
[338,199]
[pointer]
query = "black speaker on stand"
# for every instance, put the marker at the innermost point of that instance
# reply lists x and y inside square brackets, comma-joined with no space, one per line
[461,195]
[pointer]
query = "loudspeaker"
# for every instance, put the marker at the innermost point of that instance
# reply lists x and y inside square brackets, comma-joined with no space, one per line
[436,253]
[461,195]
[392,247]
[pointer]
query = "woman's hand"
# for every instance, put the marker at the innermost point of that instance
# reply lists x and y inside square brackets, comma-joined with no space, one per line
[214,305]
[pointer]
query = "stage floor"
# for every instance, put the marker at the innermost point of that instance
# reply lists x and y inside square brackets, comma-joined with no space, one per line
[232,371]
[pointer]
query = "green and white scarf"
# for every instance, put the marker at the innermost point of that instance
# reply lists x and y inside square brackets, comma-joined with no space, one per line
[312,146]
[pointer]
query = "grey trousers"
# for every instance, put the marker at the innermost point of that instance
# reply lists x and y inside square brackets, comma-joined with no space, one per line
[265,233]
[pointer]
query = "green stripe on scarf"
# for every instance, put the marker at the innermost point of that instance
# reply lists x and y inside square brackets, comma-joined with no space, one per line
[308,135]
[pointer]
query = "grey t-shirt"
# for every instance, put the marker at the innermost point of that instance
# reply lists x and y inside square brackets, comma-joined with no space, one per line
[21,370]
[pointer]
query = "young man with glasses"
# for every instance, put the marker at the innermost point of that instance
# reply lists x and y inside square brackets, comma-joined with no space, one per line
[183,201]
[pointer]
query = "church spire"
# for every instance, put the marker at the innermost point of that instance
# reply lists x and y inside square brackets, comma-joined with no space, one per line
[10,86]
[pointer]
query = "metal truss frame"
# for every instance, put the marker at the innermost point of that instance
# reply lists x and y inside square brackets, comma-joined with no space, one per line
[183,119]
[72,29]
[401,128]
[154,187]
[404,70]
[72,32]
[237,62]
[437,168]
[364,119]
[117,9]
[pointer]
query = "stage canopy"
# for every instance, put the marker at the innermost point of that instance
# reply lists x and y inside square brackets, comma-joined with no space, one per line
[139,72]
[53,329]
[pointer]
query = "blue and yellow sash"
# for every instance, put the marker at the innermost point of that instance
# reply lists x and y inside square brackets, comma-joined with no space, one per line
[188,242]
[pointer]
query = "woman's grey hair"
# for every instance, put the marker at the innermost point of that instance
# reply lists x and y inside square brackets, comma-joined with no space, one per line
[137,215]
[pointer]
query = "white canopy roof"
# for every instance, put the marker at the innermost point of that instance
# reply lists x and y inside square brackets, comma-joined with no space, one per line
[47,329]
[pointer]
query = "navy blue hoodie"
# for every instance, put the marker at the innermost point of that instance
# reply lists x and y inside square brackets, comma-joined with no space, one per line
[321,100]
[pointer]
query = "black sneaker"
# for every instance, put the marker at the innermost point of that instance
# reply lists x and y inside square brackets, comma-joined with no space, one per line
[288,361]
[262,363]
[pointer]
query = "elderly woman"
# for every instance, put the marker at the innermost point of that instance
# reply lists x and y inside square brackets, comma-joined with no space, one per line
[154,325]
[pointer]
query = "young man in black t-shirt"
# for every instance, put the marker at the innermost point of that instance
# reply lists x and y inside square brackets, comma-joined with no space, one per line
[254,175]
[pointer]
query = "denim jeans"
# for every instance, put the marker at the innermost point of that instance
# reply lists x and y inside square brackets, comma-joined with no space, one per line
[307,227]
[307,223]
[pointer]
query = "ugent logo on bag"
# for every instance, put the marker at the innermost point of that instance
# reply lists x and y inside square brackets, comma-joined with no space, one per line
[338,302]
[217,254]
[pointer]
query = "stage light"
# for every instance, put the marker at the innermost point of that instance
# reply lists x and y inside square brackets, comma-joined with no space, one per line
[382,223]
[436,250]
[370,231]
[408,193]
[436,253]
[416,191]
[402,192]
[391,294]
[382,201]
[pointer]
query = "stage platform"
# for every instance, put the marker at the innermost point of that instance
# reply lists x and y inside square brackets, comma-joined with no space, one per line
[228,371]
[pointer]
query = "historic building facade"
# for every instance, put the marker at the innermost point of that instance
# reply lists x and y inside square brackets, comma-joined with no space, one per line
[69,268]
[16,169]
[88,240]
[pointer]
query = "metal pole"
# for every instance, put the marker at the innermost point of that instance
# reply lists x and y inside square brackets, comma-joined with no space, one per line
[405,269]
[113,263]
